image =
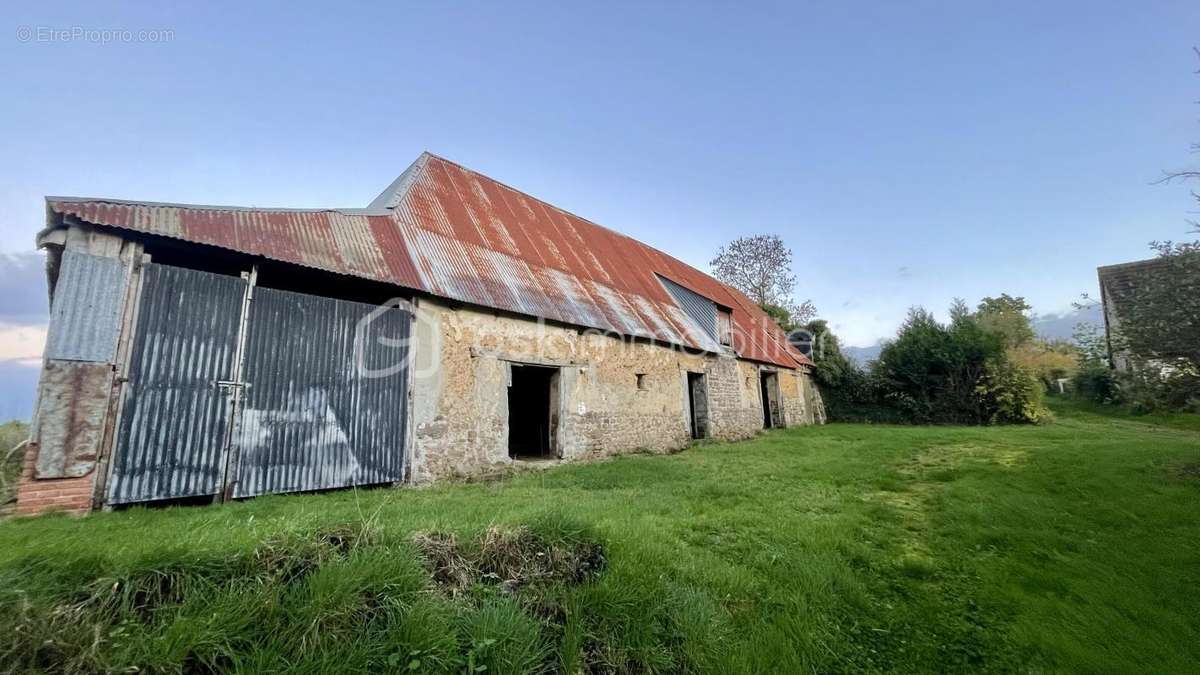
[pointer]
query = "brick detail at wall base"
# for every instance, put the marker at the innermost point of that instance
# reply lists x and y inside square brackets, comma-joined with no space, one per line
[69,495]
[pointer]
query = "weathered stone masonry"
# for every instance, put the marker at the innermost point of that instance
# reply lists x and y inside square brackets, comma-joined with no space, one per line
[460,411]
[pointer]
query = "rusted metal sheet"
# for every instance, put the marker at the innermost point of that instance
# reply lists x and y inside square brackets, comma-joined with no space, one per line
[325,404]
[445,199]
[86,313]
[347,241]
[174,418]
[71,413]
[451,232]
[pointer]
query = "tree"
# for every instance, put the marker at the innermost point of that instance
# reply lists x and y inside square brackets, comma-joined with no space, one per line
[957,372]
[781,316]
[931,370]
[1048,361]
[1008,317]
[760,266]
[832,366]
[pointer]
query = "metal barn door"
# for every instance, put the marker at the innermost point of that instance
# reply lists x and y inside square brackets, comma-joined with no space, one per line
[325,398]
[318,399]
[174,417]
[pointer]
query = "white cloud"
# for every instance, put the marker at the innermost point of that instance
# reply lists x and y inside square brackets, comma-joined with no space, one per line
[857,327]
[22,344]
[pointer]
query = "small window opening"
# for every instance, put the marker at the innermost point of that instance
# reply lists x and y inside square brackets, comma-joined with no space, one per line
[725,326]
[641,381]
[532,412]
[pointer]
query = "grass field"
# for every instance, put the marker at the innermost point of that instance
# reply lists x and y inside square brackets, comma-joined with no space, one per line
[1073,546]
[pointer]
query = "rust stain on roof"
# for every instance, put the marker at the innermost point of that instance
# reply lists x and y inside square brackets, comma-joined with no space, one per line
[449,231]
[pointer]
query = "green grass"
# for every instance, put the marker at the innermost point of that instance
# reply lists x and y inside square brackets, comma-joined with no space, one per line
[12,433]
[1073,546]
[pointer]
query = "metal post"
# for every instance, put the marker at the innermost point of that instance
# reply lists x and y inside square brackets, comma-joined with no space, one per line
[234,387]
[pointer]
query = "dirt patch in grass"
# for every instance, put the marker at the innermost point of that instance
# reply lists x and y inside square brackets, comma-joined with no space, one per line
[956,455]
[508,558]
[913,489]
[1188,471]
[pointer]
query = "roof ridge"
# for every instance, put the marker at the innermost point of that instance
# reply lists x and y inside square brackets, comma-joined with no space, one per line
[357,211]
[394,192]
[573,215]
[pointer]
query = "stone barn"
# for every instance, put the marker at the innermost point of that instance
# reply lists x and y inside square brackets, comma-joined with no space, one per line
[453,326]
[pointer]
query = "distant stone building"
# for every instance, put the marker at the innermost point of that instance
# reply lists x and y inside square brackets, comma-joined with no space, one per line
[1128,289]
[452,326]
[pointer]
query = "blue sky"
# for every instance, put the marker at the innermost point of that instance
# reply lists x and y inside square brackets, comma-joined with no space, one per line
[908,152]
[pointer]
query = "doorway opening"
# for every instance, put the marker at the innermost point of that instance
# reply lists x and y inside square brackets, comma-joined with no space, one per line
[697,395]
[769,387]
[532,412]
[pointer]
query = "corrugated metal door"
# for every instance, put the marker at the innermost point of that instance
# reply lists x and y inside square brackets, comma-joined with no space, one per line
[325,398]
[174,417]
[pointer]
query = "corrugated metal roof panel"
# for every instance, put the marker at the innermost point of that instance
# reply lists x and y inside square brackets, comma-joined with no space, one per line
[702,310]
[445,230]
[354,242]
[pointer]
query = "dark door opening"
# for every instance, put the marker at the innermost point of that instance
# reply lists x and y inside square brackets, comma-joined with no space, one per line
[769,387]
[532,412]
[697,391]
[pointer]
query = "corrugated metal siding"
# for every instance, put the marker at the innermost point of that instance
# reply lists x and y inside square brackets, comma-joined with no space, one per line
[174,419]
[457,234]
[702,310]
[312,419]
[72,407]
[86,314]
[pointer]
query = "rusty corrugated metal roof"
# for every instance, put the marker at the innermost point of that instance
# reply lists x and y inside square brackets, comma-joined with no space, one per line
[449,231]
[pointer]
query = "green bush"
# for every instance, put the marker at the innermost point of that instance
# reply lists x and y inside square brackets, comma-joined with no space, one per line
[933,373]
[1161,388]
[850,394]
[1012,394]
[1096,382]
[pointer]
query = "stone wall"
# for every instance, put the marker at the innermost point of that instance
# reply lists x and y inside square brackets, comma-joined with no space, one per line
[733,396]
[460,401]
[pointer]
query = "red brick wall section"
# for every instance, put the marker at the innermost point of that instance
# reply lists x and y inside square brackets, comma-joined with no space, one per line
[70,495]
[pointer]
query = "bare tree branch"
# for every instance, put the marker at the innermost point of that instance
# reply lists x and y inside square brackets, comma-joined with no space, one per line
[761,267]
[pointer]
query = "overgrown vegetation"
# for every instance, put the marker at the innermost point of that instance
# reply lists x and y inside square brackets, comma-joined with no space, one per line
[339,597]
[1066,547]
[980,368]
[12,434]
